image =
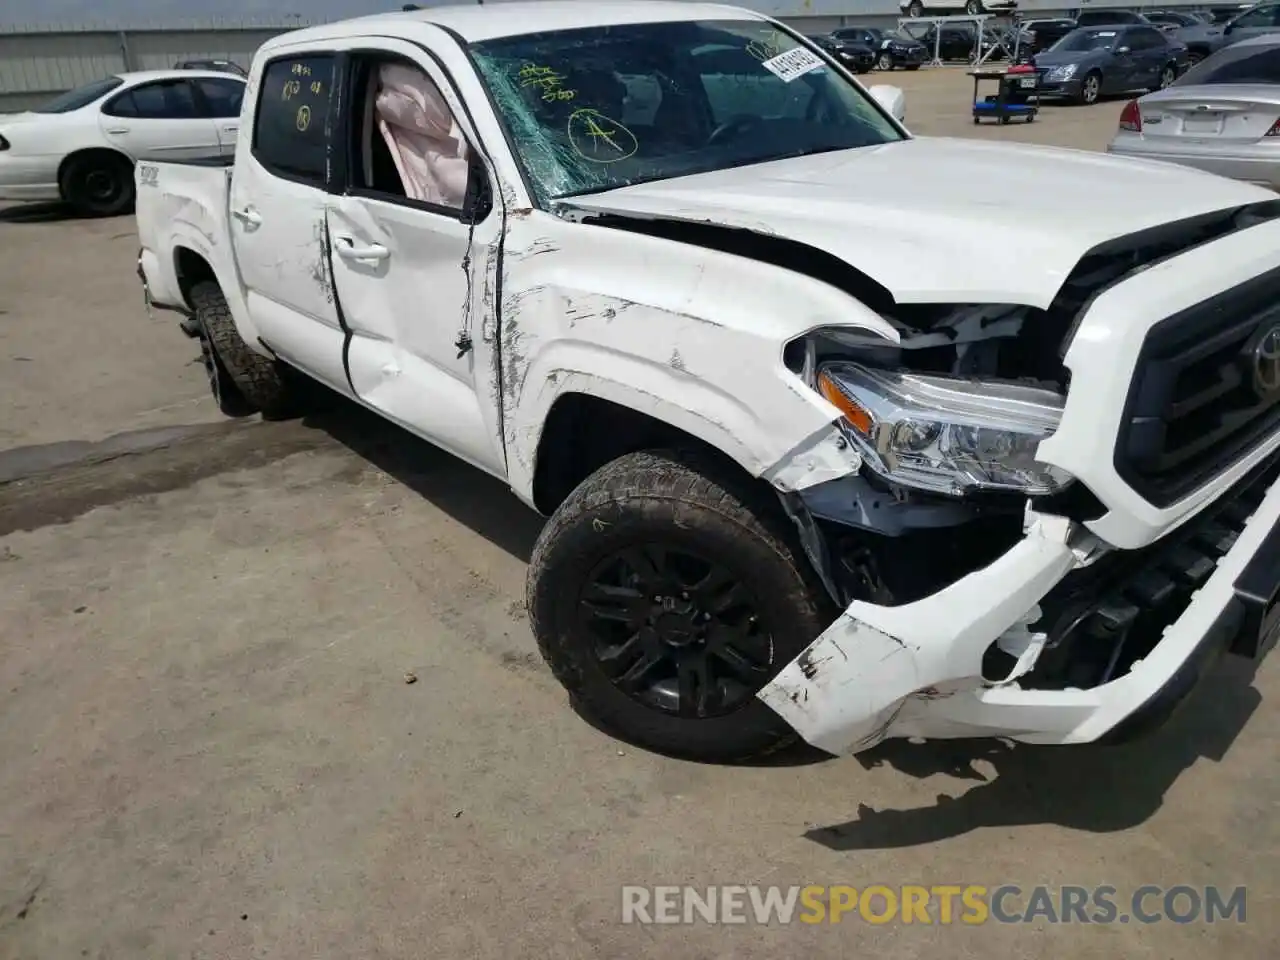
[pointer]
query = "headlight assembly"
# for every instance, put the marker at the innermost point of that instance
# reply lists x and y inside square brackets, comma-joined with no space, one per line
[1062,73]
[944,434]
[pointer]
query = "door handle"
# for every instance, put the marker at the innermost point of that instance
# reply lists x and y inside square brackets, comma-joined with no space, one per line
[248,216]
[117,131]
[231,128]
[347,250]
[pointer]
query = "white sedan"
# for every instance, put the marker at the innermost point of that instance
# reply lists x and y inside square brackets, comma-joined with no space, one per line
[81,146]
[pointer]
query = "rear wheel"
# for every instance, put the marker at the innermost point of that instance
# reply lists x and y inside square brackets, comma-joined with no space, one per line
[973,8]
[915,9]
[242,380]
[664,593]
[98,184]
[885,62]
[1167,76]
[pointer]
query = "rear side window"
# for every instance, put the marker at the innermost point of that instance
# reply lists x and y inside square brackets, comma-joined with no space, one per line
[290,129]
[1237,64]
[222,96]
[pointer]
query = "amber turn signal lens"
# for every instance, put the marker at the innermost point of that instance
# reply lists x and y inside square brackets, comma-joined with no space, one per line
[859,418]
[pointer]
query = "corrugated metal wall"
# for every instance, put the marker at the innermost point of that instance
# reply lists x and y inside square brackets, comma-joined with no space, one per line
[38,62]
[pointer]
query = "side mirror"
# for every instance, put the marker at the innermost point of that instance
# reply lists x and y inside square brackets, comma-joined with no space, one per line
[1231,25]
[892,99]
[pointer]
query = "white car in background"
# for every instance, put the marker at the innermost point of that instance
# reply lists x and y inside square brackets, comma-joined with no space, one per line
[81,146]
[947,8]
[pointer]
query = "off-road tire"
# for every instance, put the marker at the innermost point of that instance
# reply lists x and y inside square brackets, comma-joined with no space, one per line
[98,184]
[688,498]
[264,383]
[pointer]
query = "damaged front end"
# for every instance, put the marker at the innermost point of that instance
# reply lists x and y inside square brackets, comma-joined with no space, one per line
[977,601]
[929,543]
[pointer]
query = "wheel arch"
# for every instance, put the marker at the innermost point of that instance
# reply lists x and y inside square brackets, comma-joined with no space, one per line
[583,431]
[84,153]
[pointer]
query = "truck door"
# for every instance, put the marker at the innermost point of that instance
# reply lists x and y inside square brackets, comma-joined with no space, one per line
[277,215]
[408,260]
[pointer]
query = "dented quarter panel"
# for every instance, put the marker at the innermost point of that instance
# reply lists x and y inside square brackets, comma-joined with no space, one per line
[184,207]
[690,336]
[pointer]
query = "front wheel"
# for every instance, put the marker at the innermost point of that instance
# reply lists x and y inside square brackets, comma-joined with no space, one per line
[915,9]
[973,8]
[664,593]
[885,62]
[1167,76]
[1090,89]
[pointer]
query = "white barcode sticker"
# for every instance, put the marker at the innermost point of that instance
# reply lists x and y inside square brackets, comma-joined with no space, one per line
[794,63]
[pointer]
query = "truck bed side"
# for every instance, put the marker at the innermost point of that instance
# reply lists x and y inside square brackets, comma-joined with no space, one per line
[182,228]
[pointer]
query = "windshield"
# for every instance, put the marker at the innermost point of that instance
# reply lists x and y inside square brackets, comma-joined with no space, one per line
[80,96]
[1238,64]
[1080,41]
[588,110]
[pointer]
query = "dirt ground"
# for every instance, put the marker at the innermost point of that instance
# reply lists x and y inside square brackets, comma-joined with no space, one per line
[208,747]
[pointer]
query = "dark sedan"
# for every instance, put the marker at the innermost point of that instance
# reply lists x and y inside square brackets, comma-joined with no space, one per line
[1094,61]
[892,49]
[858,57]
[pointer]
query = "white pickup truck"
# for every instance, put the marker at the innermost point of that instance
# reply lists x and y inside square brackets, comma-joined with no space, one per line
[843,433]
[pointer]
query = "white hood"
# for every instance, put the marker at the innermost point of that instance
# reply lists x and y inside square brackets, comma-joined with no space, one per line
[942,220]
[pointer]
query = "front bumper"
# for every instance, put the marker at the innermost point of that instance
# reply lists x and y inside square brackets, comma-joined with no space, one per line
[1069,89]
[916,670]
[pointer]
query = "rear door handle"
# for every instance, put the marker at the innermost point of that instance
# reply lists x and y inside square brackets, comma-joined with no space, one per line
[248,216]
[117,131]
[347,250]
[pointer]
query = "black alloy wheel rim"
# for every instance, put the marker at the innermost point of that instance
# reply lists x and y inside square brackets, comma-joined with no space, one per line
[675,631]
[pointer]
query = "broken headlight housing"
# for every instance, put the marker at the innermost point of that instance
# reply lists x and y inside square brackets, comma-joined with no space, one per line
[946,434]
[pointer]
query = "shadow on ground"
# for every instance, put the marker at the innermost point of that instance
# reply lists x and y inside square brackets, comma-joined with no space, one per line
[36,213]
[1097,789]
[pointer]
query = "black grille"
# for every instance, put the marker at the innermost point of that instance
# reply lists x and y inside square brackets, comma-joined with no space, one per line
[1103,617]
[1196,405]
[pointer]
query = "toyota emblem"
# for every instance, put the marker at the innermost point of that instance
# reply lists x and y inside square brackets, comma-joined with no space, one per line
[1266,363]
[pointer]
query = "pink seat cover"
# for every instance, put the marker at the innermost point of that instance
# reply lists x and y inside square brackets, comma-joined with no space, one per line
[426,144]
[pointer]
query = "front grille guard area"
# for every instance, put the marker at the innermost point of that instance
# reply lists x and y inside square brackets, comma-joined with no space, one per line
[1103,618]
[1194,408]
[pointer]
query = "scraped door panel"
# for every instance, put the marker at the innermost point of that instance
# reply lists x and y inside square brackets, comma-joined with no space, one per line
[398,272]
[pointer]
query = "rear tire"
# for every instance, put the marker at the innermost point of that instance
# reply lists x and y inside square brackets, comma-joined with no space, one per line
[261,383]
[664,593]
[885,62]
[98,184]
[915,9]
[1167,75]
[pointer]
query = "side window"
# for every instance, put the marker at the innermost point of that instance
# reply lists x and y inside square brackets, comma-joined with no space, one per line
[406,141]
[1259,17]
[165,100]
[224,97]
[290,129]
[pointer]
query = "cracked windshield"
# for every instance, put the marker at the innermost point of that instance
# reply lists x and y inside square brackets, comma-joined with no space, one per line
[592,109]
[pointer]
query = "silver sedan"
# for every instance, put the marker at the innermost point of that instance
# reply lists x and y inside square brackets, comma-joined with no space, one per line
[1221,116]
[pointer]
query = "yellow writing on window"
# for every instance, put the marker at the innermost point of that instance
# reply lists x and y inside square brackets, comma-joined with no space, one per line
[301,70]
[550,83]
[290,89]
[598,138]
[317,87]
